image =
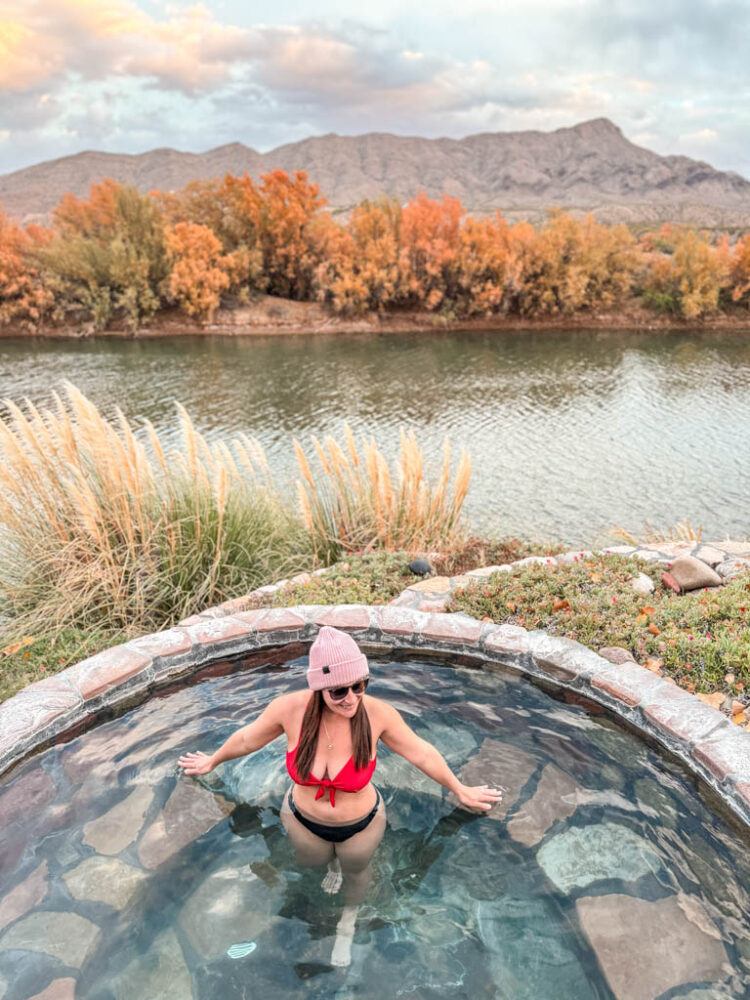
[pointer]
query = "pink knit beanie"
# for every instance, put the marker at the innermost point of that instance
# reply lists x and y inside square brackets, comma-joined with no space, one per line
[335,660]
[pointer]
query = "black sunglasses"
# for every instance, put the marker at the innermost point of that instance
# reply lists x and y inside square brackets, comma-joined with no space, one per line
[338,694]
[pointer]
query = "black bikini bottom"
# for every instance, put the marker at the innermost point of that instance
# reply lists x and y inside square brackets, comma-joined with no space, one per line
[335,834]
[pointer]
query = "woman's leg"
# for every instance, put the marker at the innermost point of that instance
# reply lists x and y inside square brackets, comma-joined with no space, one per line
[354,855]
[310,850]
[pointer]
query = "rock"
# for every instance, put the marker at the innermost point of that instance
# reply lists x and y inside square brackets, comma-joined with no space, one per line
[584,854]
[3,987]
[541,560]
[190,812]
[24,897]
[554,799]
[484,571]
[499,765]
[105,880]
[113,831]
[653,799]
[229,905]
[65,936]
[710,555]
[572,557]
[26,796]
[433,584]
[731,568]
[642,584]
[715,700]
[58,989]
[617,654]
[690,573]
[528,955]
[646,949]
[161,972]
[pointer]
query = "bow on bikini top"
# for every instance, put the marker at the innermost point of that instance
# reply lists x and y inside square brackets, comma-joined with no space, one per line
[349,779]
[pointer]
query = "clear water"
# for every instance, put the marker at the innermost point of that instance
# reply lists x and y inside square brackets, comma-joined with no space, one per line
[460,905]
[572,433]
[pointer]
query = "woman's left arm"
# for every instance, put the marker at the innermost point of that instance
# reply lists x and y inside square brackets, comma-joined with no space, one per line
[404,741]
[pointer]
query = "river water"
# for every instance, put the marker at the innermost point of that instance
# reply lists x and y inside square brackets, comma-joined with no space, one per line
[571,433]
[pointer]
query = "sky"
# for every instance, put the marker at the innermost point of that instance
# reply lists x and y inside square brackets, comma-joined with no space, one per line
[127,76]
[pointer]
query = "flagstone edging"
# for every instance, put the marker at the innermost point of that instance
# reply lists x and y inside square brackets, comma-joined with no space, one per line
[714,749]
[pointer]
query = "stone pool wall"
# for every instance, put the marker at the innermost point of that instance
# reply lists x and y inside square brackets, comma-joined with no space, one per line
[716,750]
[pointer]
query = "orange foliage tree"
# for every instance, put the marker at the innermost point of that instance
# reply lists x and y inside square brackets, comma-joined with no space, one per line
[288,213]
[570,265]
[23,298]
[739,271]
[690,279]
[429,250]
[481,268]
[199,271]
[107,256]
[359,268]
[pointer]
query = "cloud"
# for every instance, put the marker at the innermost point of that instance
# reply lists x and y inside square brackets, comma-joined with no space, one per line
[188,50]
[127,75]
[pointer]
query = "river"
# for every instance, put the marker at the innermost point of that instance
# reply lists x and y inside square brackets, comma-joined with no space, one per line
[571,433]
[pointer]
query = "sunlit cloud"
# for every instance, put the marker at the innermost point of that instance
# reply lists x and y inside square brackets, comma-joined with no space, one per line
[128,75]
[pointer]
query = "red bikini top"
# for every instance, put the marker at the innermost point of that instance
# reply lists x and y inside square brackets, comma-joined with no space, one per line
[349,779]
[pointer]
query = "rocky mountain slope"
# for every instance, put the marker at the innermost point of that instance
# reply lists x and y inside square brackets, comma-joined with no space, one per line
[590,167]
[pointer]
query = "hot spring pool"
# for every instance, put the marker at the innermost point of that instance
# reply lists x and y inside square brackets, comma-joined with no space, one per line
[602,874]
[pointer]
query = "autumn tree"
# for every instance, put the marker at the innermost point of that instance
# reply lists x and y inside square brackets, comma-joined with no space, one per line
[108,255]
[570,265]
[429,242]
[690,279]
[359,269]
[739,271]
[230,209]
[199,271]
[23,298]
[481,266]
[289,237]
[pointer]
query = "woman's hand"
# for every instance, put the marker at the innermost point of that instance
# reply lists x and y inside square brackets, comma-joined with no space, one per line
[196,763]
[479,797]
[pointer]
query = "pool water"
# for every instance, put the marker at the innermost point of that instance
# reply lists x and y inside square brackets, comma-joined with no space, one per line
[603,873]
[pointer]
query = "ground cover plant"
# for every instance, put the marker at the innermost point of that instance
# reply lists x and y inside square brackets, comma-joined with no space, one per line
[700,639]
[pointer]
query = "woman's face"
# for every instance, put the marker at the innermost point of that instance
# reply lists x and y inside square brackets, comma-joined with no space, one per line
[347,706]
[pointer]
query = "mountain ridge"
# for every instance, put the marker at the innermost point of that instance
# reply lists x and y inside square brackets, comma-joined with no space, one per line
[590,166]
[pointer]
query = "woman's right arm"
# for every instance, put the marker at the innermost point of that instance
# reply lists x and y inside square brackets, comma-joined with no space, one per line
[247,740]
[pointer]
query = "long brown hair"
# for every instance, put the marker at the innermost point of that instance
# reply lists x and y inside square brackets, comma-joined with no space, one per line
[308,737]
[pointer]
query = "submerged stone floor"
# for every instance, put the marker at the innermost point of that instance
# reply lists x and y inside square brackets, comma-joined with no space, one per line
[648,942]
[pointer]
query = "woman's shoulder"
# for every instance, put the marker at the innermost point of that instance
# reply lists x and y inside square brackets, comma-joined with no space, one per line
[379,711]
[284,704]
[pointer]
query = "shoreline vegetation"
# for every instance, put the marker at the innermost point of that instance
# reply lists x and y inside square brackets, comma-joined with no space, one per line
[237,257]
[107,535]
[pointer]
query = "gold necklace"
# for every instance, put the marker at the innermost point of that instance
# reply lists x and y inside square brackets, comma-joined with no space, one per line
[330,745]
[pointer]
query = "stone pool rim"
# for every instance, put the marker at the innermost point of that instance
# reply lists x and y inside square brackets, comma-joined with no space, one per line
[715,750]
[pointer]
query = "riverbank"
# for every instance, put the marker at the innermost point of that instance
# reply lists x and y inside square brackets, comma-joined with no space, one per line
[271,316]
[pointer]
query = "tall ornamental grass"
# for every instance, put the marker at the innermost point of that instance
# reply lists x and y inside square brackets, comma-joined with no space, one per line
[354,501]
[103,527]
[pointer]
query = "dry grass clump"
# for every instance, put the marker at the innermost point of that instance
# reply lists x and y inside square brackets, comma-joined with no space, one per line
[683,531]
[104,529]
[100,527]
[357,503]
